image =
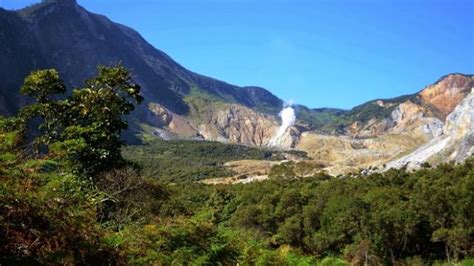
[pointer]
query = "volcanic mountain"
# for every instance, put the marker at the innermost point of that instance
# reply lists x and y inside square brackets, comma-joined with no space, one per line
[61,34]
[179,103]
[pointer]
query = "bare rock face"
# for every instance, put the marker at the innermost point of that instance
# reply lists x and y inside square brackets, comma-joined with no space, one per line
[406,118]
[411,118]
[239,124]
[421,114]
[159,115]
[433,126]
[406,113]
[447,93]
[372,128]
[460,129]
[455,143]
[415,125]
[288,140]
[229,123]
[343,154]
[175,124]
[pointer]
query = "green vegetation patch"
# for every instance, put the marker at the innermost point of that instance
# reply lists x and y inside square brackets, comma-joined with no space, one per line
[187,160]
[202,103]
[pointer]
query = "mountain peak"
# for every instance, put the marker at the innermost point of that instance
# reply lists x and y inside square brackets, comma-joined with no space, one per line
[46,6]
[60,2]
[446,93]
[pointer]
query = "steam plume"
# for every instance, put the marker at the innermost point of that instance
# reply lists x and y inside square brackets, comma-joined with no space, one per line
[287,120]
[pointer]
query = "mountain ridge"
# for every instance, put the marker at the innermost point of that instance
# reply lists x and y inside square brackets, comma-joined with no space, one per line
[215,86]
[71,36]
[183,104]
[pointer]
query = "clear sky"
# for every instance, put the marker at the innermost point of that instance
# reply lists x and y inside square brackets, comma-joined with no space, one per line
[334,53]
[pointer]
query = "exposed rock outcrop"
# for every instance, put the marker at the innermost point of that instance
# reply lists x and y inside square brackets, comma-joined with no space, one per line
[411,118]
[226,123]
[177,125]
[455,143]
[238,124]
[342,154]
[410,125]
[447,93]
[423,113]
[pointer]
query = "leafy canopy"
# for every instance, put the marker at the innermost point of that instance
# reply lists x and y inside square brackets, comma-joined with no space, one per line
[82,130]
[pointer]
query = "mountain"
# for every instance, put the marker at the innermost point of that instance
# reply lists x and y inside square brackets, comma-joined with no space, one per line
[378,133]
[18,56]
[434,101]
[454,142]
[182,104]
[61,34]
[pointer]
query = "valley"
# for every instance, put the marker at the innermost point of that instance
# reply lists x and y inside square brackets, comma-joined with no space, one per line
[372,141]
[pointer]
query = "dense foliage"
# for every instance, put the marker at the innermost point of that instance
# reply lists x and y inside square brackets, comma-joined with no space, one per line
[83,129]
[188,160]
[380,218]
[48,203]
[391,218]
[61,208]
[325,120]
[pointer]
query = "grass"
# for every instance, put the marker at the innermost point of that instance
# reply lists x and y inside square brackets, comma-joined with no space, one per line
[201,102]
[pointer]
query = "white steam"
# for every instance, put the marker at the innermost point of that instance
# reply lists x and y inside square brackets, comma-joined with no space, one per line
[287,120]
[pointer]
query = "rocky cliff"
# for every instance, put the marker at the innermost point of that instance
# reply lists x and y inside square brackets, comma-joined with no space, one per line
[434,125]
[445,94]
[456,141]
[231,123]
[422,113]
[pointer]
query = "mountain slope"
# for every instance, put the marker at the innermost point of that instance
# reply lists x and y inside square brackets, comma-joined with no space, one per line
[406,130]
[435,101]
[456,142]
[67,37]
[18,56]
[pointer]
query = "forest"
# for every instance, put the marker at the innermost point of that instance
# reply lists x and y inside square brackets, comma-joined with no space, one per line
[72,192]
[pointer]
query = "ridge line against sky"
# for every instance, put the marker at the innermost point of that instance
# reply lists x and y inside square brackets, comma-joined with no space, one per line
[337,53]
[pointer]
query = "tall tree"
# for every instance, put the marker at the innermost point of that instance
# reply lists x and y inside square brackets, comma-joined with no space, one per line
[84,129]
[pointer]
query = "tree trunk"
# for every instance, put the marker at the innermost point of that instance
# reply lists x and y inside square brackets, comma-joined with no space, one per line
[447,253]
[392,257]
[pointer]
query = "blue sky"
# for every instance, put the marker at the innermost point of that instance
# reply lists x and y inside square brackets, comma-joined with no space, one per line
[334,53]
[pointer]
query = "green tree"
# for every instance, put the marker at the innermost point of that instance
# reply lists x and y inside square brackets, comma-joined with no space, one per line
[96,119]
[42,85]
[84,129]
